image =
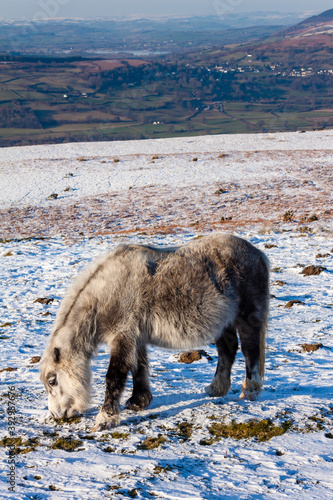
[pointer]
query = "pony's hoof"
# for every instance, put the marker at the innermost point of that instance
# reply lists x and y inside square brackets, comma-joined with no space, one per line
[250,390]
[217,390]
[139,402]
[105,421]
[249,395]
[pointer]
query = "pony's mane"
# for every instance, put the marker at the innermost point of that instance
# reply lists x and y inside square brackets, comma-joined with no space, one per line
[75,290]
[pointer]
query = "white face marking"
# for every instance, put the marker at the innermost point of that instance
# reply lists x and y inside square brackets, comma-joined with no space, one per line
[60,402]
[67,381]
[67,395]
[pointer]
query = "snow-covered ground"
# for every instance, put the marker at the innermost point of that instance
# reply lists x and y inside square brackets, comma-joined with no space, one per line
[46,242]
[210,183]
[30,174]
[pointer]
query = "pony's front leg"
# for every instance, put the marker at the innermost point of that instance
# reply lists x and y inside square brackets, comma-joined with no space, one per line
[121,362]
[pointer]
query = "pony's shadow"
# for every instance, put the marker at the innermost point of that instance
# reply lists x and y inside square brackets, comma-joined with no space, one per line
[165,407]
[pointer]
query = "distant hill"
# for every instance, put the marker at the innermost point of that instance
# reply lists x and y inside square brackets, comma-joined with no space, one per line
[307,43]
[323,17]
[315,26]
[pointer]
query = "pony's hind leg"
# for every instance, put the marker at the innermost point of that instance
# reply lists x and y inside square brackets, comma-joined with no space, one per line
[252,338]
[121,362]
[227,346]
[141,396]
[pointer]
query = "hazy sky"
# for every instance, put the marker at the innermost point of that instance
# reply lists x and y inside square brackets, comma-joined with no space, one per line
[19,9]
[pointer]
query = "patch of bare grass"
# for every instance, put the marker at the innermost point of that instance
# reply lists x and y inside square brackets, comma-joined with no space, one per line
[262,430]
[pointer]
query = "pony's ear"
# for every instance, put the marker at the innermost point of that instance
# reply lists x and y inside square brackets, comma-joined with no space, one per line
[56,355]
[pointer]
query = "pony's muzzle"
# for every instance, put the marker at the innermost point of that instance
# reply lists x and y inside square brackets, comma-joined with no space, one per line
[67,413]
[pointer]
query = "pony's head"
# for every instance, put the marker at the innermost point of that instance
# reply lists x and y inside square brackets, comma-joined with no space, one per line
[66,377]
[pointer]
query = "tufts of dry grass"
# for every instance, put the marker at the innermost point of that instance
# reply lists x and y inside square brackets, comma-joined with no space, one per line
[152,442]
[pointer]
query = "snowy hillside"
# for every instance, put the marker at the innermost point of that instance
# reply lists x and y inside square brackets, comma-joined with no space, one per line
[272,189]
[165,185]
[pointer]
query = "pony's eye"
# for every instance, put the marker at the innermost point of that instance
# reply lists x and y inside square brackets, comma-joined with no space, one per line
[52,381]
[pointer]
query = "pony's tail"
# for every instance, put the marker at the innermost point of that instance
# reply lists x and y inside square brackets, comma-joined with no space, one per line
[264,326]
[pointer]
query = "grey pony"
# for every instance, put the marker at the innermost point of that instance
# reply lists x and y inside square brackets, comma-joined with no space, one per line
[214,289]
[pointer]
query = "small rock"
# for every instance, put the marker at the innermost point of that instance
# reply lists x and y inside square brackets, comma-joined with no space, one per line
[9,369]
[311,347]
[53,196]
[35,359]
[43,300]
[291,303]
[313,270]
[191,356]
[221,191]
